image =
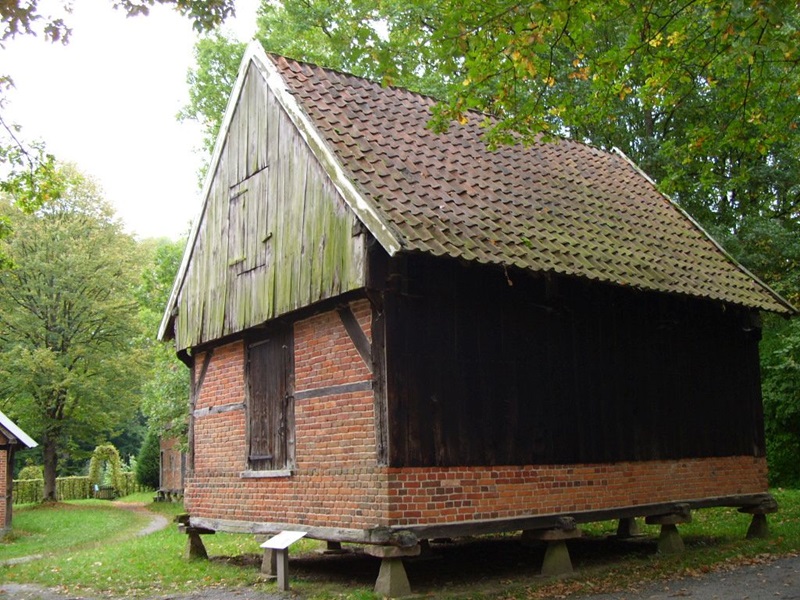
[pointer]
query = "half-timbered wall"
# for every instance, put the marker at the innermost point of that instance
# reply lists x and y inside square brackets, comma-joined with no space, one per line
[486,367]
[275,235]
[334,479]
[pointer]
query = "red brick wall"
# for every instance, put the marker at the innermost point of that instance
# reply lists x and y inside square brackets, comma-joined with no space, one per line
[466,493]
[337,483]
[171,474]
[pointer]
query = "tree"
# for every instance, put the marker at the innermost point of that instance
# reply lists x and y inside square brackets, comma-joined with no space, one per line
[23,17]
[68,368]
[148,466]
[165,392]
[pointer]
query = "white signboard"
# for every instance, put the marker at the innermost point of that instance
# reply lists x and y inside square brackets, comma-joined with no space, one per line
[283,540]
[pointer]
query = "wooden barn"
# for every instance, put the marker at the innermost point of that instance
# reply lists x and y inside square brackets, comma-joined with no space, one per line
[12,438]
[396,335]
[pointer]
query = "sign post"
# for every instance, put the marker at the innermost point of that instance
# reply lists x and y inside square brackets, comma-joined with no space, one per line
[280,544]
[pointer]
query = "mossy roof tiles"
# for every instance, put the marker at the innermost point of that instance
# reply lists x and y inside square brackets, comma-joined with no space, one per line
[560,206]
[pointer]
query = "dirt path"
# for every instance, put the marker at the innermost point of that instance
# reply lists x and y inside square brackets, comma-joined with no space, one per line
[157,522]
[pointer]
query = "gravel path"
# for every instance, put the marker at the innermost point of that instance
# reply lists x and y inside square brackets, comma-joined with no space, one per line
[775,579]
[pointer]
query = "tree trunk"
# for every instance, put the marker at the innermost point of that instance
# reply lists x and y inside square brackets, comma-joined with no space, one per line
[50,464]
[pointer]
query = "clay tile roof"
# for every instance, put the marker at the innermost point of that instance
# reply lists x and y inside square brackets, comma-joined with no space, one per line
[561,207]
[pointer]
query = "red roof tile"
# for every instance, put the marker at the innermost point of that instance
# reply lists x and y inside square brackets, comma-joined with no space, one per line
[561,206]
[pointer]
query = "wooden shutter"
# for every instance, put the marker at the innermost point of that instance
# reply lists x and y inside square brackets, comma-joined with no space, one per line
[270,376]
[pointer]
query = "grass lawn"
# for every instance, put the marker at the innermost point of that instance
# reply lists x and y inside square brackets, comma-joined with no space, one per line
[90,547]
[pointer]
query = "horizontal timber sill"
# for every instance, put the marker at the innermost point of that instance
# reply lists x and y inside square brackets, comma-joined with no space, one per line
[266,474]
[546,521]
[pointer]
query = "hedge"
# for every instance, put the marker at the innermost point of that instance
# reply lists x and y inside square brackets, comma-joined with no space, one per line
[71,488]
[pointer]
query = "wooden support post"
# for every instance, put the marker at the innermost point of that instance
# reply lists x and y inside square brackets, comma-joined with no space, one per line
[669,541]
[282,558]
[628,528]
[392,580]
[557,561]
[278,545]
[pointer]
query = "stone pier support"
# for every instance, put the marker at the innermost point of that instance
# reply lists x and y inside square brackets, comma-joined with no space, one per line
[556,561]
[392,579]
[759,529]
[195,549]
[628,528]
[670,542]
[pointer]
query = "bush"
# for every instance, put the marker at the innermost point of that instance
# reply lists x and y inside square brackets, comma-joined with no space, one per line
[31,471]
[148,463]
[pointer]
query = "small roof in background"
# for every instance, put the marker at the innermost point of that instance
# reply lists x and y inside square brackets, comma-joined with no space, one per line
[14,434]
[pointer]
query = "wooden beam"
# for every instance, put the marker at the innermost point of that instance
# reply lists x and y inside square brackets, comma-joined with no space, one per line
[357,335]
[548,521]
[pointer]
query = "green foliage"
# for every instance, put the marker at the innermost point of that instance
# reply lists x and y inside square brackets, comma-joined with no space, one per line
[210,83]
[102,455]
[31,471]
[148,465]
[68,370]
[165,392]
[24,17]
[67,528]
[29,491]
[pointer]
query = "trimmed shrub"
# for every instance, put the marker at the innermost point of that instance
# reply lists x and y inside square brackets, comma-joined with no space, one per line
[148,467]
[103,454]
[27,491]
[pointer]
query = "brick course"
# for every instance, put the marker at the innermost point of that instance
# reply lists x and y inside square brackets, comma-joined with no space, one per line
[336,481]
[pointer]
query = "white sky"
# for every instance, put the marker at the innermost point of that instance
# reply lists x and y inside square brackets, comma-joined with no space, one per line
[107,102]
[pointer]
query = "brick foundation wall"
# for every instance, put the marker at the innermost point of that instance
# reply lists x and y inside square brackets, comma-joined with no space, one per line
[427,496]
[336,481]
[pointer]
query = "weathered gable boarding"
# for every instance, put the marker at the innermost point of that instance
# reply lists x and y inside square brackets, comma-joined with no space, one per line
[274,234]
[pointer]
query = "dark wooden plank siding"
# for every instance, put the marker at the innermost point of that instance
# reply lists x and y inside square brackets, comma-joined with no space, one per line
[544,371]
